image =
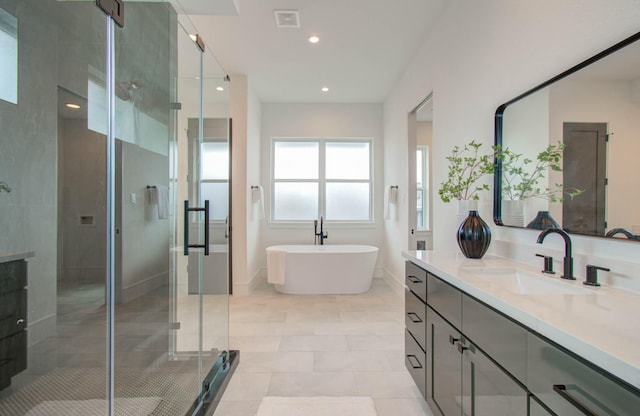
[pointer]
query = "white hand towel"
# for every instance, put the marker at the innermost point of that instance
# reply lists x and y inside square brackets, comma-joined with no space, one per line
[257,196]
[276,266]
[163,201]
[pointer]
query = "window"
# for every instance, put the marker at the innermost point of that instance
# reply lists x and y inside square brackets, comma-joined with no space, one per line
[8,57]
[422,184]
[322,177]
[214,177]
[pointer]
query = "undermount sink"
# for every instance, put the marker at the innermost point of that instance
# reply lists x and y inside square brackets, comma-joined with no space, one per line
[528,283]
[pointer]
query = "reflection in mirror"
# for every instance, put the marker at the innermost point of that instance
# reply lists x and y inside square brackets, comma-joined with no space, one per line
[420,123]
[592,112]
[8,57]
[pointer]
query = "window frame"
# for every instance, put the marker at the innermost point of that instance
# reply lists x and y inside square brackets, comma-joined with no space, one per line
[424,150]
[322,180]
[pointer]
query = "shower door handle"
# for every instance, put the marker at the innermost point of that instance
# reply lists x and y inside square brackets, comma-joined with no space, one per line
[188,209]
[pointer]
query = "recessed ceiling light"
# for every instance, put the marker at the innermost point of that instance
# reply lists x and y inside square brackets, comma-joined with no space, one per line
[72,106]
[219,88]
[325,89]
[314,39]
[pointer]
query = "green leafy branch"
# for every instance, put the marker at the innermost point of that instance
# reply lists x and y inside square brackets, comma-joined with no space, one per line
[521,175]
[4,187]
[466,167]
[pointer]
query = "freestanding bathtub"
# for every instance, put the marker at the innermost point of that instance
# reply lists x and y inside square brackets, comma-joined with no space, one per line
[321,269]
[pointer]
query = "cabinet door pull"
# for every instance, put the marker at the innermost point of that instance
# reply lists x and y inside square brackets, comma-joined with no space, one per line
[453,340]
[414,279]
[561,389]
[417,364]
[461,348]
[416,319]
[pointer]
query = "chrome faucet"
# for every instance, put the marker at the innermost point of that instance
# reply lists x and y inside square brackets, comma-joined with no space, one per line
[568,260]
[319,236]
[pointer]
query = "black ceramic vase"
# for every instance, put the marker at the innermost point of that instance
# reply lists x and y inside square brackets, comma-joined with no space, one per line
[474,236]
[542,221]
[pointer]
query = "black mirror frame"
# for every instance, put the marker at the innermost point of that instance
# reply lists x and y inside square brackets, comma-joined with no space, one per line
[497,177]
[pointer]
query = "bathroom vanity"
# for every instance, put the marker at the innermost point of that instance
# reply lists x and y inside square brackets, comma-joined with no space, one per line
[493,337]
[13,315]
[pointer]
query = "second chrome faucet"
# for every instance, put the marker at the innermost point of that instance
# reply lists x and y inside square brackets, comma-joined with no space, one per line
[568,259]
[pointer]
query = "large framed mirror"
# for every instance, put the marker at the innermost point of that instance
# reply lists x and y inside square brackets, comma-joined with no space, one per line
[585,124]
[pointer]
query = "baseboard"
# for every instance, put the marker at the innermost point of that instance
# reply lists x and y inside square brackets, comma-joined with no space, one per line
[142,288]
[41,329]
[247,288]
[394,283]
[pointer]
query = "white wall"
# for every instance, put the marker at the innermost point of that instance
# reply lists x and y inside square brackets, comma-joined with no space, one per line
[253,214]
[326,121]
[478,56]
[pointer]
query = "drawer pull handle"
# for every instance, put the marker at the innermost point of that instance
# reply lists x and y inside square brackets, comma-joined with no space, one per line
[415,320]
[453,340]
[417,364]
[561,389]
[461,348]
[414,279]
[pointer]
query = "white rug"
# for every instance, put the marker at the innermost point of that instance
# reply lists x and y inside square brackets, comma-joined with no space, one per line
[317,406]
[137,406]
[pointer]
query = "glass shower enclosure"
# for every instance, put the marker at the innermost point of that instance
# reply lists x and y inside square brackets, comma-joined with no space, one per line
[113,296]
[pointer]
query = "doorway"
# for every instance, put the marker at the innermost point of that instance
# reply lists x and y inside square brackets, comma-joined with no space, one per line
[584,168]
[420,139]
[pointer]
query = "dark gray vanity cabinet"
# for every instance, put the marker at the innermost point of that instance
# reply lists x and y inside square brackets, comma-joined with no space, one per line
[462,379]
[13,320]
[415,324]
[480,362]
[571,387]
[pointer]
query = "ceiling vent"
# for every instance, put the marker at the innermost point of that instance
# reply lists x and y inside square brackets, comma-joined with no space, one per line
[287,19]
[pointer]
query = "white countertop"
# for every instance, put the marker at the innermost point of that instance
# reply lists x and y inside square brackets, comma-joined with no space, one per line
[601,325]
[6,256]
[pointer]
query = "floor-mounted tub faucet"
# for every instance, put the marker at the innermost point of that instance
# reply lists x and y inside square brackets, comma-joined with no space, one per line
[319,236]
[568,259]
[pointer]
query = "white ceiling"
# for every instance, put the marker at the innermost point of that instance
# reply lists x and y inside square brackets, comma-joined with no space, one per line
[364,46]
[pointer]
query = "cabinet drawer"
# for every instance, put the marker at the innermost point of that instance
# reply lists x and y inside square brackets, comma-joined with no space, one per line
[565,383]
[13,312]
[416,280]
[445,299]
[415,360]
[13,275]
[501,338]
[415,317]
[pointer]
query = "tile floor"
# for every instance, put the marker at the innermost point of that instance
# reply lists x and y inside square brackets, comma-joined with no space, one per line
[320,345]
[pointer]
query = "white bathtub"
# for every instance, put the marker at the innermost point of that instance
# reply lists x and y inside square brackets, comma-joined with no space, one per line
[321,270]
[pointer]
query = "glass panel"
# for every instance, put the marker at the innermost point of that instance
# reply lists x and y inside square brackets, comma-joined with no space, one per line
[218,195]
[296,160]
[348,201]
[214,289]
[54,216]
[147,368]
[347,160]
[8,57]
[295,201]
[215,160]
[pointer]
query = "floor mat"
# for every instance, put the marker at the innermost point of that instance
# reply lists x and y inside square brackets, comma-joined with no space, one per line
[317,406]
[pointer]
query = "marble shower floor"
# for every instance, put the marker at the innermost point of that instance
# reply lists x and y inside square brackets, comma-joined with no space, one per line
[320,345]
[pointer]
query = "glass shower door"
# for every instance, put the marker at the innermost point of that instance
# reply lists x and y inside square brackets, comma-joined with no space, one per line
[163,319]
